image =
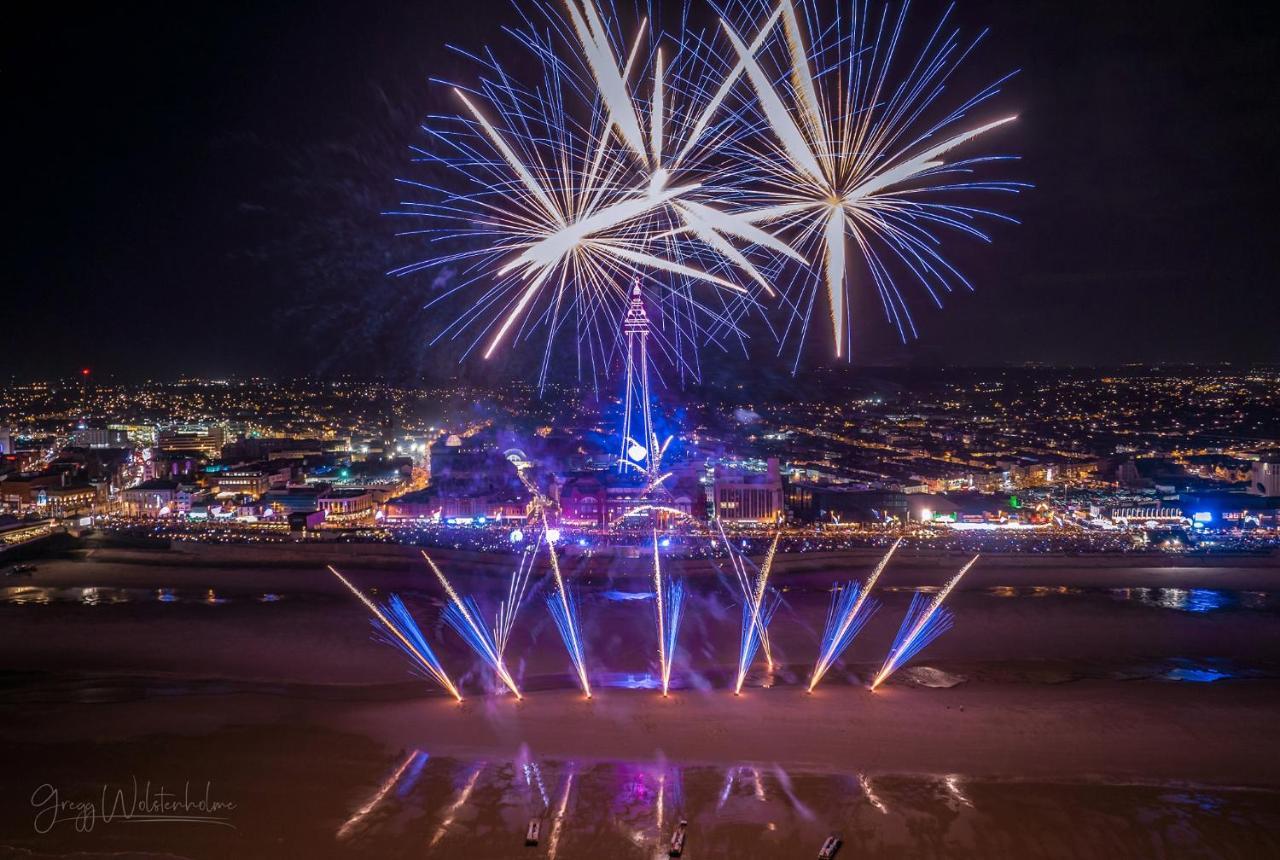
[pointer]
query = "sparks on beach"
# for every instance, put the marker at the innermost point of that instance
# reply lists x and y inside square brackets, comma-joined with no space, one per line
[561,603]
[395,626]
[669,603]
[851,608]
[759,604]
[462,615]
[564,609]
[925,621]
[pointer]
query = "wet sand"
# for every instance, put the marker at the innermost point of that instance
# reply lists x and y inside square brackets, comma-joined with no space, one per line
[317,794]
[1079,681]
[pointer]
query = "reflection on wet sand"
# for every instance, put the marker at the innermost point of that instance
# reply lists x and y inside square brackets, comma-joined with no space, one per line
[450,814]
[375,800]
[752,810]
[319,794]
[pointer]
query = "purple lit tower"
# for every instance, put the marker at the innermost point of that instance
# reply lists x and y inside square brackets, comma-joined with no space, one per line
[645,450]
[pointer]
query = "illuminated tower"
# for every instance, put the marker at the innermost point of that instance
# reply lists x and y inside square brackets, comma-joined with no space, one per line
[639,453]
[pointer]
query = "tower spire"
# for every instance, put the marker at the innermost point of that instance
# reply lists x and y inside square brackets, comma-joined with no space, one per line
[636,320]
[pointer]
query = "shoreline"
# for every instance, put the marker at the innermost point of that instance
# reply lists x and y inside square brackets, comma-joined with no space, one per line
[238,571]
[370,555]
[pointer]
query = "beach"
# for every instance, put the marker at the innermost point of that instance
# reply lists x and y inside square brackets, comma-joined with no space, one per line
[1136,679]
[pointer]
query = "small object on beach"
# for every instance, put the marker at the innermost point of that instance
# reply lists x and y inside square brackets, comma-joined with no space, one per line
[830,847]
[927,676]
[677,839]
[531,835]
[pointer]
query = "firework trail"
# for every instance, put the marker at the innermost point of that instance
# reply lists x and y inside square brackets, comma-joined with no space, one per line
[925,621]
[507,609]
[561,604]
[757,611]
[564,610]
[395,626]
[462,613]
[669,602]
[852,155]
[851,608]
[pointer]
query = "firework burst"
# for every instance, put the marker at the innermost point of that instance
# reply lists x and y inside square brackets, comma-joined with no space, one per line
[566,190]
[853,153]
[784,148]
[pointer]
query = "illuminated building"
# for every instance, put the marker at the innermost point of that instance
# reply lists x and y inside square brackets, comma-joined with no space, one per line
[150,498]
[347,507]
[290,500]
[99,437]
[250,482]
[67,501]
[204,438]
[1143,513]
[846,503]
[1264,477]
[748,496]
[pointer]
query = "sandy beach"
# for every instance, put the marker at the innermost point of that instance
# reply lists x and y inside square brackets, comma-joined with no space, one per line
[1130,676]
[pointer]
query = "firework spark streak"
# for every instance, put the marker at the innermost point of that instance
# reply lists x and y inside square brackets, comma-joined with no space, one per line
[851,608]
[757,611]
[561,604]
[925,621]
[461,614]
[669,602]
[396,626]
[564,610]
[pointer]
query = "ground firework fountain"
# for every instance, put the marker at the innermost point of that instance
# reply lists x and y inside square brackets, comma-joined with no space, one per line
[669,603]
[759,604]
[851,608]
[462,614]
[926,620]
[395,626]
[561,604]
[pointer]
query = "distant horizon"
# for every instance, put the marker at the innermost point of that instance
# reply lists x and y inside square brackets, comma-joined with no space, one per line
[851,370]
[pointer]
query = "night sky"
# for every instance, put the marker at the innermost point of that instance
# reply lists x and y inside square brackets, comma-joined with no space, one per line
[195,189]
